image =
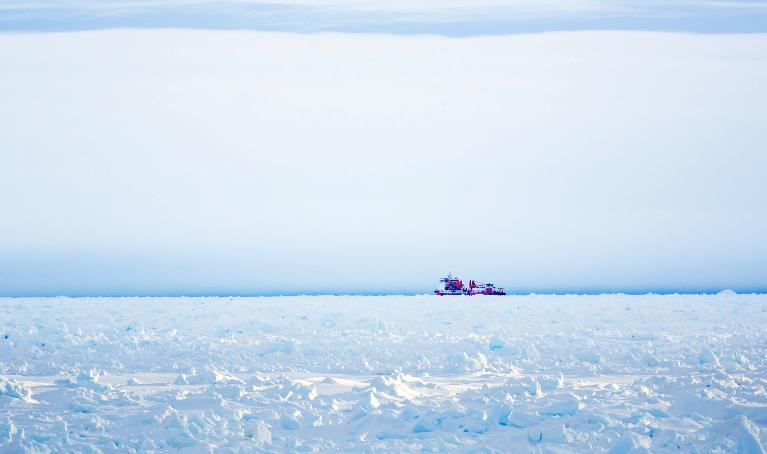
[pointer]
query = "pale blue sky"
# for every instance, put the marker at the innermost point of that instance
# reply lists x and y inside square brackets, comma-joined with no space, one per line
[253,162]
[446,17]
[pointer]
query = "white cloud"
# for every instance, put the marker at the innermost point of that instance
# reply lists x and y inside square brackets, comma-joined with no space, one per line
[242,160]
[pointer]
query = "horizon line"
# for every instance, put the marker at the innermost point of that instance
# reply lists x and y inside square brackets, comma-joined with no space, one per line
[538,292]
[379,32]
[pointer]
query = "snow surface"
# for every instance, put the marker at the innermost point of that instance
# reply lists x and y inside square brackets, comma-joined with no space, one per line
[615,373]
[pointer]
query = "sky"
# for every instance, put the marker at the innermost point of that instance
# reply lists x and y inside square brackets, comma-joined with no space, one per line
[444,17]
[200,161]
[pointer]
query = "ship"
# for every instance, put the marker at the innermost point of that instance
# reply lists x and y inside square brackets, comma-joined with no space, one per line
[450,285]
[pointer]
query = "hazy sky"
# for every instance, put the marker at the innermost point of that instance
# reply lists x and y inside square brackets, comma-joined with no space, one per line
[243,162]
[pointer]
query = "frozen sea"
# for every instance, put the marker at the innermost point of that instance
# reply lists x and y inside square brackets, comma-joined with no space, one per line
[536,373]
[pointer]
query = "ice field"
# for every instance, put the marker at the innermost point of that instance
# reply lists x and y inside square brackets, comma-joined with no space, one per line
[537,373]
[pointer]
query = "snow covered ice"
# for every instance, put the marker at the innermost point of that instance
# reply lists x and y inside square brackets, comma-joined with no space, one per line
[537,373]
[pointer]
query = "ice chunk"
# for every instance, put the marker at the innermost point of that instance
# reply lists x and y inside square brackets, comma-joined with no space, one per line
[12,389]
[394,386]
[464,362]
[291,421]
[7,430]
[650,360]
[212,376]
[748,440]
[300,391]
[630,442]
[88,376]
[475,421]
[551,382]
[423,425]
[370,400]
[524,387]
[521,420]
[534,435]
[257,430]
[91,379]
[707,356]
[568,407]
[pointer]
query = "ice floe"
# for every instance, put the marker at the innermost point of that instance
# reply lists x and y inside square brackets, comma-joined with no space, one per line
[604,373]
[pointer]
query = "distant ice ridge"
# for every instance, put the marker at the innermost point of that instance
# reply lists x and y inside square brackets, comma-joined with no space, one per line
[11,389]
[617,373]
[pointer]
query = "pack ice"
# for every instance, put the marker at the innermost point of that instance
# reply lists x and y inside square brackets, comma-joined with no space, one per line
[537,373]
